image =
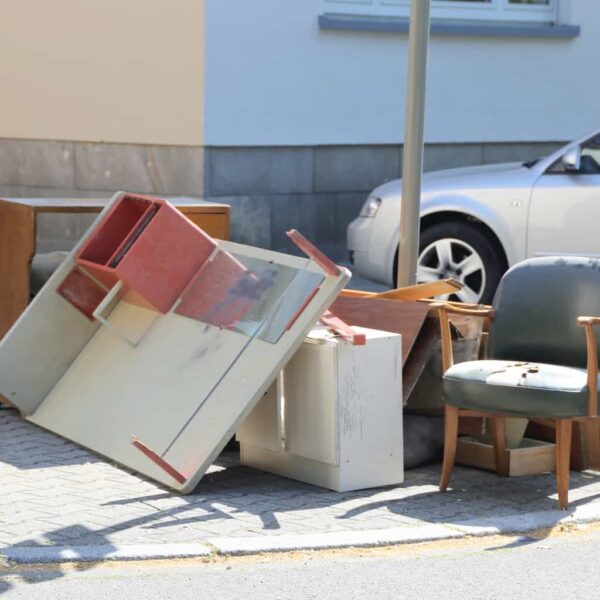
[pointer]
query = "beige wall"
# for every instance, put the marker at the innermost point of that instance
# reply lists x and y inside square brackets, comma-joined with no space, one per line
[102,70]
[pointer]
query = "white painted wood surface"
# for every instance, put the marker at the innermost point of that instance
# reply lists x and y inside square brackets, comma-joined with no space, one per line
[93,387]
[44,340]
[342,415]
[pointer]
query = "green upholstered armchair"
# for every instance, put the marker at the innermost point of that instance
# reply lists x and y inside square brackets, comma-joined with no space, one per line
[542,358]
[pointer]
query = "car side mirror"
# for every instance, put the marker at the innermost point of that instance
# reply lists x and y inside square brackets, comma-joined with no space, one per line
[572,159]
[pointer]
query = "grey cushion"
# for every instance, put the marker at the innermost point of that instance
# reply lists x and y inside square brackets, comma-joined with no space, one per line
[537,305]
[517,389]
[43,266]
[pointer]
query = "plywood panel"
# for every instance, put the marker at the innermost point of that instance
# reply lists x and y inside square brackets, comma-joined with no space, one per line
[114,390]
[43,342]
[395,316]
[263,424]
[215,224]
[311,405]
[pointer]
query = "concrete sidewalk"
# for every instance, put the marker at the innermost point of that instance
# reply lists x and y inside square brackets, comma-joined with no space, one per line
[59,502]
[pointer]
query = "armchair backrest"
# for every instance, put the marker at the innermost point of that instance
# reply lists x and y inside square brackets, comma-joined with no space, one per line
[537,304]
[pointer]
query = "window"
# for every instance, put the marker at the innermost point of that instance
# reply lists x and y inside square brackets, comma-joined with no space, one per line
[589,163]
[590,157]
[541,11]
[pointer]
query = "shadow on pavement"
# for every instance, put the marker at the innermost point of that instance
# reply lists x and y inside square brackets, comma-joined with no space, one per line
[29,574]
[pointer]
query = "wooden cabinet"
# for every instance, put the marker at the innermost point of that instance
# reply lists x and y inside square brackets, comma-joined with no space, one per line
[334,417]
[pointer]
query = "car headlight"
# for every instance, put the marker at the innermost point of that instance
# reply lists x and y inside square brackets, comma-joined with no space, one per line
[370,207]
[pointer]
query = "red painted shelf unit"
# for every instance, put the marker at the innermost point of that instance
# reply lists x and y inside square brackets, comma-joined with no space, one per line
[150,247]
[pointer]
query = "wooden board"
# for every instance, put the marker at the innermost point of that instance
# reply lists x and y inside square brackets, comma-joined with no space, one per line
[17,243]
[427,342]
[395,316]
[418,291]
[531,458]
[98,204]
[585,453]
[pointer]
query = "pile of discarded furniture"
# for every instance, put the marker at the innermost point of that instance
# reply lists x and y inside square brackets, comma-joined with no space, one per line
[153,343]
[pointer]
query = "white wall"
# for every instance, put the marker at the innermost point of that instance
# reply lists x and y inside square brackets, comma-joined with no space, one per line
[274,78]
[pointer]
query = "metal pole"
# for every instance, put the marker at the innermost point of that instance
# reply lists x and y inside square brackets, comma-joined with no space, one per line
[412,164]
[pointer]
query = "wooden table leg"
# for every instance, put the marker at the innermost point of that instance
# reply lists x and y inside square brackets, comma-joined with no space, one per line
[17,247]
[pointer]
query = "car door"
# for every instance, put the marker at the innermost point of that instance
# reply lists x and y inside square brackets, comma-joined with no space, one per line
[564,211]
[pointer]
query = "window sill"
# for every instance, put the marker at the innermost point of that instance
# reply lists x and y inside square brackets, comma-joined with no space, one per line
[444,27]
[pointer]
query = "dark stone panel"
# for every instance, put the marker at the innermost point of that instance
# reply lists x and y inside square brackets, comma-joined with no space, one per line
[355,168]
[448,156]
[252,171]
[313,215]
[517,151]
[250,219]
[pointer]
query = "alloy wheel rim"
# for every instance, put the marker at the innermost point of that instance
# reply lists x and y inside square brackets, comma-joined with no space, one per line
[453,258]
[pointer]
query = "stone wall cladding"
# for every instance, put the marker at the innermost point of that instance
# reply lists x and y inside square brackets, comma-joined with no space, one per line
[317,190]
[51,168]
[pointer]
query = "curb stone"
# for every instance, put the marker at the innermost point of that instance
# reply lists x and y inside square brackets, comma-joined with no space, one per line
[237,546]
[326,541]
[528,521]
[108,552]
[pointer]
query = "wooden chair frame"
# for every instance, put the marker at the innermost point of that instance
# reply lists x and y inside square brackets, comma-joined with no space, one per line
[563,427]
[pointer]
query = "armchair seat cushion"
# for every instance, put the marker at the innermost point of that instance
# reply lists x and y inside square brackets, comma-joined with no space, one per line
[518,388]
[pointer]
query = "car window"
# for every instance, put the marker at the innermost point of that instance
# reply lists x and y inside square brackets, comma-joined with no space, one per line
[590,159]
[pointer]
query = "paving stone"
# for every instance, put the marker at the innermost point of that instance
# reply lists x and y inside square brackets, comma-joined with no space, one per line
[78,499]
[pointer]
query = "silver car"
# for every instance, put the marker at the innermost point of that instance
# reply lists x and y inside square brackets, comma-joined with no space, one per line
[478,221]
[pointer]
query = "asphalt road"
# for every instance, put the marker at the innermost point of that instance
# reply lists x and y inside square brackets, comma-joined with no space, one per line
[564,566]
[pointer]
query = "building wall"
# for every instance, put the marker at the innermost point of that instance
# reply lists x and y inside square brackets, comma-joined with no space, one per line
[126,71]
[273,78]
[302,122]
[317,190]
[253,104]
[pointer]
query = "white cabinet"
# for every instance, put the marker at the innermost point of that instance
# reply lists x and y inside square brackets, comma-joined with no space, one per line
[334,416]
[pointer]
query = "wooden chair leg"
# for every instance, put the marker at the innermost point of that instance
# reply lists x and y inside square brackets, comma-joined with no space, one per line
[450,440]
[591,435]
[564,429]
[499,442]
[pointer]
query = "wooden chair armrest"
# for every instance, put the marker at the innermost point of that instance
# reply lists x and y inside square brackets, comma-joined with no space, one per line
[446,307]
[592,362]
[469,309]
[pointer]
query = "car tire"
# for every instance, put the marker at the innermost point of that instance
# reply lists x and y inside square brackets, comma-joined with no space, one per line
[461,251]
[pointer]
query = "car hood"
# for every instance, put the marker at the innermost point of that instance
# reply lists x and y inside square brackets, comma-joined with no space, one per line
[477,171]
[461,177]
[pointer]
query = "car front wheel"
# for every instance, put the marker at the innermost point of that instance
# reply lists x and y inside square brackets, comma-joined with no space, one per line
[460,251]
